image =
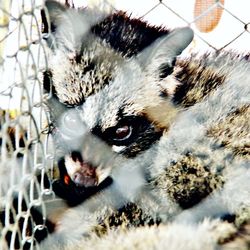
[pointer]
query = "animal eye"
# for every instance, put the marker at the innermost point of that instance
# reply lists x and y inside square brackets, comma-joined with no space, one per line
[123,133]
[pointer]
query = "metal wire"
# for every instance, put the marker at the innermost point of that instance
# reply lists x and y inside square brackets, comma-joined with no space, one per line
[24,155]
[27,149]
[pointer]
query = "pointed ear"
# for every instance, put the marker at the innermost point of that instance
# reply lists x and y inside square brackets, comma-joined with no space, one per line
[66,27]
[161,55]
[54,15]
[52,18]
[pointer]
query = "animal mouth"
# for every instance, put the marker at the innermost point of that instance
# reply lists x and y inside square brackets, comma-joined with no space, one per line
[75,191]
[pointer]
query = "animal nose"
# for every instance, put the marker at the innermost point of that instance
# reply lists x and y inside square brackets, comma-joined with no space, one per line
[85,177]
[83,172]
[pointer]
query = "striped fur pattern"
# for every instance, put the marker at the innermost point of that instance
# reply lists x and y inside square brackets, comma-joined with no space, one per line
[175,131]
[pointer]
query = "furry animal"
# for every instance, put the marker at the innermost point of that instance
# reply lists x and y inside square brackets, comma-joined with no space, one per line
[147,141]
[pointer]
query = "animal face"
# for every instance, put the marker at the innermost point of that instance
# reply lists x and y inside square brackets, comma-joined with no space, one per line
[116,98]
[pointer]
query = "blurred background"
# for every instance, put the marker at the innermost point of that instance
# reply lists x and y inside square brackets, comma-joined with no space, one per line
[217,23]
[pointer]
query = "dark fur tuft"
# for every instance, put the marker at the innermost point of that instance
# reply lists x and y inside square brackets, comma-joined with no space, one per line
[127,35]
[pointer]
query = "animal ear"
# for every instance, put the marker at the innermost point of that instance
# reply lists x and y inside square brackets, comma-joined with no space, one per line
[160,56]
[52,17]
[68,28]
[55,13]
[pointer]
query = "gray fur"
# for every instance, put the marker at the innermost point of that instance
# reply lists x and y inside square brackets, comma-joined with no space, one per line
[135,87]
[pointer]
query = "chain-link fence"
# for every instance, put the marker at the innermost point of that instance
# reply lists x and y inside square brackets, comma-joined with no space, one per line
[27,149]
[25,154]
[217,24]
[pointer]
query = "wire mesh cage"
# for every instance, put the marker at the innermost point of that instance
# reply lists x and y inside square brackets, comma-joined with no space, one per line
[27,148]
[25,155]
